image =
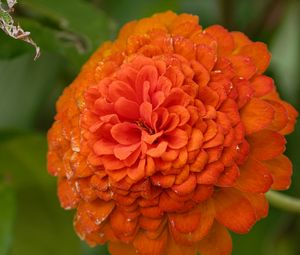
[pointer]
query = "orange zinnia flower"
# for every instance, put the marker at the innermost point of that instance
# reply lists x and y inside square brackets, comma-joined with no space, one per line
[168,137]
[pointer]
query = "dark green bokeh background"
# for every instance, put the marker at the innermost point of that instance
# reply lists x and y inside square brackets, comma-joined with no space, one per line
[31,221]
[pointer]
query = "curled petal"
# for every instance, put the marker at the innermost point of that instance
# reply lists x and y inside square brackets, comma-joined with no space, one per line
[281,170]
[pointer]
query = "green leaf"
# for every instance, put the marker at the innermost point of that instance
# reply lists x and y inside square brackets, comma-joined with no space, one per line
[7,216]
[24,85]
[76,16]
[41,226]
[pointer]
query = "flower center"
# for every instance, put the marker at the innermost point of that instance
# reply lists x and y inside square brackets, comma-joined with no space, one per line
[143,126]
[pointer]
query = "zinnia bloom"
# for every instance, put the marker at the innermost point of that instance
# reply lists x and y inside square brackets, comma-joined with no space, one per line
[169,137]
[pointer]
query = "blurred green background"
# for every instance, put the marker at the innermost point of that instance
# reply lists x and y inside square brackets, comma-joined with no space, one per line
[68,31]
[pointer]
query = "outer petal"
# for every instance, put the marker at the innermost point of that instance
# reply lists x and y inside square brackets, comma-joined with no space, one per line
[266,144]
[186,222]
[262,85]
[146,246]
[259,203]
[281,170]
[259,54]
[256,115]
[223,37]
[173,248]
[233,210]
[218,242]
[202,229]
[254,177]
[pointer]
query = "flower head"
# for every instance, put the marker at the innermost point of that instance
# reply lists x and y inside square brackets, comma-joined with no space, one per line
[168,137]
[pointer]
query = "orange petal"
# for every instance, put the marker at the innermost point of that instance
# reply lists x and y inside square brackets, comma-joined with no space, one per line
[202,229]
[86,191]
[281,170]
[229,176]
[173,248]
[185,24]
[104,147]
[216,141]
[160,180]
[186,222]
[195,140]
[240,39]
[244,90]
[122,152]
[181,112]
[121,225]
[67,194]
[230,107]
[156,151]
[256,115]
[200,162]
[186,187]
[254,177]
[259,203]
[208,96]
[262,85]
[121,248]
[119,89]
[233,210]
[126,133]
[281,117]
[218,242]
[91,214]
[202,193]
[149,223]
[206,56]
[214,153]
[266,144]
[292,115]
[152,212]
[138,172]
[127,109]
[243,66]
[147,246]
[259,54]
[177,138]
[211,173]
[184,47]
[223,37]
[169,205]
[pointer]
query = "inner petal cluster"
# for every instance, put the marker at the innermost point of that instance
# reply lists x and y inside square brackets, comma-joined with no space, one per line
[151,120]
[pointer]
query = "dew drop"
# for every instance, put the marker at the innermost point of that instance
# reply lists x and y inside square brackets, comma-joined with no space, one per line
[77,186]
[99,221]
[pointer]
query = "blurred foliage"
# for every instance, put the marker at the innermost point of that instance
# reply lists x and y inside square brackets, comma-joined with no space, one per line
[31,220]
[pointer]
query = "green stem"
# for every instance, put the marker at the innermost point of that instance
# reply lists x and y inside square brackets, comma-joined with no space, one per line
[284,202]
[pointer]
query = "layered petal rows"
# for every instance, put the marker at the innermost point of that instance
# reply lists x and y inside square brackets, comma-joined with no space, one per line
[168,137]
